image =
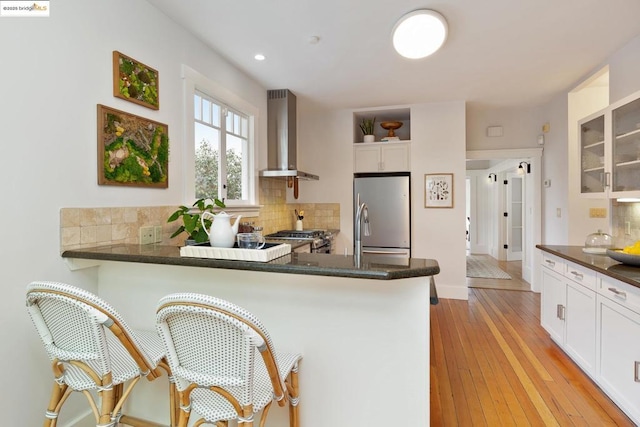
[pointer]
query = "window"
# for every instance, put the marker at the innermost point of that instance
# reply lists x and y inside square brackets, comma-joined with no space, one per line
[219,146]
[221,150]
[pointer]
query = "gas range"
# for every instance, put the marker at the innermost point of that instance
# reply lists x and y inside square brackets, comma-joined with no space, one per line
[321,240]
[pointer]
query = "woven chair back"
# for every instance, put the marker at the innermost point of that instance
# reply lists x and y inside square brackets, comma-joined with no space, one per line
[73,325]
[211,342]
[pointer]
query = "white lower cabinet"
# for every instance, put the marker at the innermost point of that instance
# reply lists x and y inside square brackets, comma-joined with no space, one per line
[568,310]
[552,304]
[595,319]
[618,368]
[580,326]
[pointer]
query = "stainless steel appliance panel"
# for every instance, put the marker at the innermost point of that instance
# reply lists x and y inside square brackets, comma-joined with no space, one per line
[388,198]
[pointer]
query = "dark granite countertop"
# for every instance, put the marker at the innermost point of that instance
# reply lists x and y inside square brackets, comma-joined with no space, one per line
[600,263]
[372,267]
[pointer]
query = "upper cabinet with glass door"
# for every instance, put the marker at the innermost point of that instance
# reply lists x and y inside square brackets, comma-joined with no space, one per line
[625,169]
[593,148]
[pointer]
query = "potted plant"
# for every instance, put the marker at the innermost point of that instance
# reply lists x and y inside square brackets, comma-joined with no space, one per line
[367,127]
[191,223]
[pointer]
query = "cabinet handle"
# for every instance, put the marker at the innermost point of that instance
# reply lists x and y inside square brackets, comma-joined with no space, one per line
[577,275]
[551,263]
[607,179]
[636,376]
[618,293]
[560,311]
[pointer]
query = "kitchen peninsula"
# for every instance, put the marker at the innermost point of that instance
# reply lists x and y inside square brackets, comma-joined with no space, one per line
[363,329]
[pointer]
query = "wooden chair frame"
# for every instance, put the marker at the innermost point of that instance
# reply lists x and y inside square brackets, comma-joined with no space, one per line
[112,398]
[283,395]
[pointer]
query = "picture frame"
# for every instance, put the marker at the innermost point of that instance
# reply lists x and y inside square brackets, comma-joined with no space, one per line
[438,190]
[132,150]
[135,81]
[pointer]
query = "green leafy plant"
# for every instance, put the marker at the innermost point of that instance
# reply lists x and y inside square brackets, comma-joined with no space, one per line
[191,219]
[367,126]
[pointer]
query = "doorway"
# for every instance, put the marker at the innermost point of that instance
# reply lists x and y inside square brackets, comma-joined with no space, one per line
[488,199]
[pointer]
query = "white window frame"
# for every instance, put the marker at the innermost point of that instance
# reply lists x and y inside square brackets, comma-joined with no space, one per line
[194,81]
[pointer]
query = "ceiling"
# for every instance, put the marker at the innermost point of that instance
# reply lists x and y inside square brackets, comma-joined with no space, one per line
[501,53]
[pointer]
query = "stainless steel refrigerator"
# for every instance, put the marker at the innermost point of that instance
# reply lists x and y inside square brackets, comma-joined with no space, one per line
[388,199]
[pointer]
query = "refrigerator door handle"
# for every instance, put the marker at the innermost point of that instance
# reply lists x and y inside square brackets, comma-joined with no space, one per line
[365,251]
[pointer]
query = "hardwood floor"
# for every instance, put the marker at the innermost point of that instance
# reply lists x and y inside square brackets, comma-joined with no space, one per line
[492,364]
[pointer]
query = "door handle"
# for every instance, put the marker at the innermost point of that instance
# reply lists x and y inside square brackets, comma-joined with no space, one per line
[577,275]
[618,293]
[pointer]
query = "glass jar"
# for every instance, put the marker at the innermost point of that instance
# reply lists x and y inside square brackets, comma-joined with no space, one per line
[598,243]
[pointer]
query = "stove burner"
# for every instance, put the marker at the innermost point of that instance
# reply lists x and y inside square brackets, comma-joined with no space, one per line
[321,240]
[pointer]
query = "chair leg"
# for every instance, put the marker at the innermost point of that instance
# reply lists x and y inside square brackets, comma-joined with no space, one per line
[57,395]
[294,398]
[107,400]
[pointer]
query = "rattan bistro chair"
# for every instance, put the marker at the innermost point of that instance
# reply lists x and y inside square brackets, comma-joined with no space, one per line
[224,362]
[93,350]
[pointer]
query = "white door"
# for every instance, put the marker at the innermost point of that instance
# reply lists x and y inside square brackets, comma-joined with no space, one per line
[515,217]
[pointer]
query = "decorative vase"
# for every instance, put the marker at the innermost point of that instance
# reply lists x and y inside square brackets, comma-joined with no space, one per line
[299,225]
[369,138]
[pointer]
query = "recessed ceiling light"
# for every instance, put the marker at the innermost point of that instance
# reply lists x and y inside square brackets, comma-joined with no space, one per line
[419,33]
[260,57]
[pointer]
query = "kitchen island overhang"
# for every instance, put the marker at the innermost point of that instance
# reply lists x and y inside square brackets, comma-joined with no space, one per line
[363,331]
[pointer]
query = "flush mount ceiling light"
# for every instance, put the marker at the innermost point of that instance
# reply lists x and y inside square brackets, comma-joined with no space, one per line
[259,57]
[419,33]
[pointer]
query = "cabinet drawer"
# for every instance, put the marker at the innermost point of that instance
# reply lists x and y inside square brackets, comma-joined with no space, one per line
[553,263]
[582,275]
[620,292]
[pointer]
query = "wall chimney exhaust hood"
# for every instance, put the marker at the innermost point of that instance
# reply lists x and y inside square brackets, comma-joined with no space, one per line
[282,137]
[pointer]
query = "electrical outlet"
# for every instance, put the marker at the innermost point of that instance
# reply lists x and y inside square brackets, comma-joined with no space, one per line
[146,235]
[157,233]
[627,227]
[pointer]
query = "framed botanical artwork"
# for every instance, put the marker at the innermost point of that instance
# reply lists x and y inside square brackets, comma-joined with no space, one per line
[134,81]
[132,150]
[438,190]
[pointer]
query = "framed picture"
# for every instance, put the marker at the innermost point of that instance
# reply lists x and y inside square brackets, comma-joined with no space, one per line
[438,190]
[132,150]
[135,82]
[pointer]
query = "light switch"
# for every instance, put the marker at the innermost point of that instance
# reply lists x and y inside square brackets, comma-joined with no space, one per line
[558,212]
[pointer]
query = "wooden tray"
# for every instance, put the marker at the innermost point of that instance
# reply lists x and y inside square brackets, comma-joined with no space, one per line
[266,254]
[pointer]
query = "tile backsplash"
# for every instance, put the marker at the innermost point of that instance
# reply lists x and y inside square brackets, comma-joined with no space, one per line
[621,213]
[87,227]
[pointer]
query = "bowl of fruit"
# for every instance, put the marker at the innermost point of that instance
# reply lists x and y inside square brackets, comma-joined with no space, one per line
[629,255]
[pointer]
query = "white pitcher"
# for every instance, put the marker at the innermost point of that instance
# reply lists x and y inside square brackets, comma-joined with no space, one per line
[222,234]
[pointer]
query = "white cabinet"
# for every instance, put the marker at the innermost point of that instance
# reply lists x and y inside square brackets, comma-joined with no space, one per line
[580,327]
[618,368]
[553,302]
[595,319]
[594,145]
[610,150]
[382,157]
[568,309]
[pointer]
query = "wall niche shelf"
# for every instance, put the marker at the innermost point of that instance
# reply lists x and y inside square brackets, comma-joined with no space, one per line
[383,115]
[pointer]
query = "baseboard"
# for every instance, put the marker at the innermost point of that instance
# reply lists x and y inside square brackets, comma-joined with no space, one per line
[452,292]
[83,420]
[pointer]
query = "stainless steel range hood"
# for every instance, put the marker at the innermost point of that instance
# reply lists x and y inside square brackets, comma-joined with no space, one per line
[282,137]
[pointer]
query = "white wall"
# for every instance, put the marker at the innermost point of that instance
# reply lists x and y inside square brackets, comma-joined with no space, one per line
[437,146]
[54,72]
[624,68]
[521,127]
[554,170]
